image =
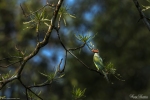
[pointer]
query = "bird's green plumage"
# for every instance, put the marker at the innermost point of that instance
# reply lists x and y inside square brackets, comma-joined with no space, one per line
[99,64]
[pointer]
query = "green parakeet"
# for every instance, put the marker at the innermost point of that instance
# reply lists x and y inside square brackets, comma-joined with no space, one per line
[99,63]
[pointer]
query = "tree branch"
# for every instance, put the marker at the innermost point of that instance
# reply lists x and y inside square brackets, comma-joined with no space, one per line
[41,85]
[4,82]
[10,64]
[73,49]
[29,90]
[145,21]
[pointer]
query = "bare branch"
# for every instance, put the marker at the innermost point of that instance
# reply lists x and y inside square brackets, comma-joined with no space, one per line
[29,89]
[7,58]
[23,11]
[60,65]
[41,85]
[145,20]
[65,63]
[48,4]
[10,64]
[4,82]
[73,49]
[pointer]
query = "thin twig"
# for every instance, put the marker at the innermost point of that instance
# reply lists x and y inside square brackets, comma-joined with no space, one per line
[36,10]
[142,14]
[27,94]
[4,82]
[10,64]
[89,46]
[23,11]
[59,65]
[41,85]
[10,58]
[29,89]
[73,49]
[65,62]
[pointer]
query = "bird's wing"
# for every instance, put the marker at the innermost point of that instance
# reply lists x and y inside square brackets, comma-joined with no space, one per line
[98,62]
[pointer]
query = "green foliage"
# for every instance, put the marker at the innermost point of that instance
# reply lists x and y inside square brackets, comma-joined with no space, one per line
[53,76]
[110,68]
[146,7]
[32,96]
[5,76]
[63,12]
[36,19]
[77,93]
[20,53]
[2,97]
[85,38]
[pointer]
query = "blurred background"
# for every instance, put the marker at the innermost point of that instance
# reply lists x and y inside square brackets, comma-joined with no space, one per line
[120,38]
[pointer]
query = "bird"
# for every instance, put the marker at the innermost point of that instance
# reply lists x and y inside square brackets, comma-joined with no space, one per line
[99,63]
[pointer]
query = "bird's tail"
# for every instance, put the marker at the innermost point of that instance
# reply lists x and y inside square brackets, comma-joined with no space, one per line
[105,75]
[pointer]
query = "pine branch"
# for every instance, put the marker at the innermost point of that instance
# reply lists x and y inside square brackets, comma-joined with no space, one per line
[142,16]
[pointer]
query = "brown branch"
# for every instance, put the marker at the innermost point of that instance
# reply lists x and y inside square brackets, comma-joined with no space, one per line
[4,82]
[41,85]
[48,4]
[58,68]
[27,94]
[10,64]
[73,49]
[65,63]
[23,11]
[59,21]
[10,58]
[145,21]
[29,89]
